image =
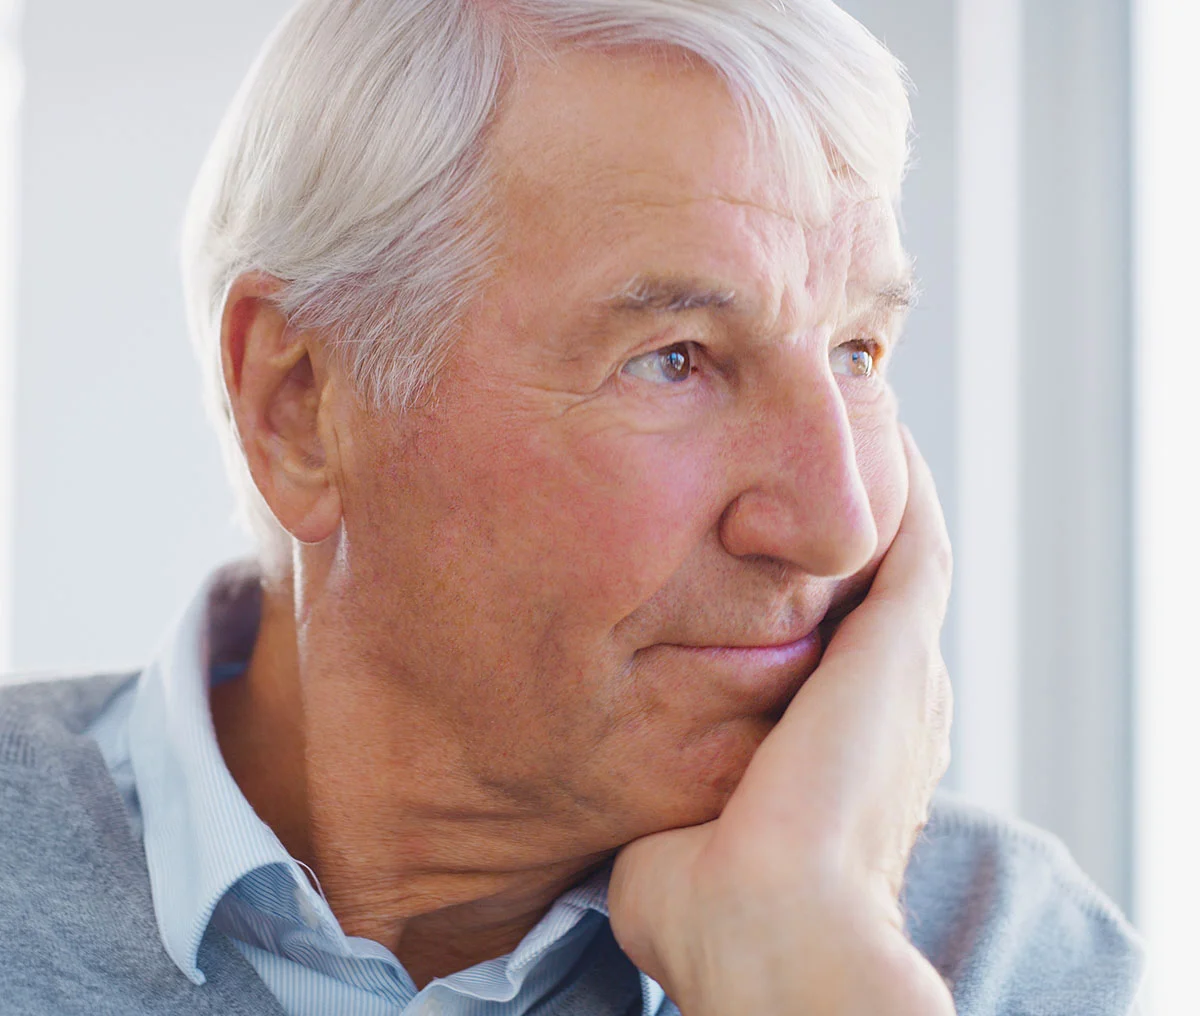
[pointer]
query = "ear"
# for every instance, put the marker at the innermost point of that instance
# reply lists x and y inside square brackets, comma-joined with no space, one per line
[280,396]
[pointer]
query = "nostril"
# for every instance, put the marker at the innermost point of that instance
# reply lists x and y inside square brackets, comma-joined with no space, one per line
[830,537]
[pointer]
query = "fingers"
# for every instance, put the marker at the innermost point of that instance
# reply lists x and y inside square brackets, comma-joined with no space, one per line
[900,619]
[917,571]
[892,655]
[889,647]
[866,739]
[918,567]
[818,833]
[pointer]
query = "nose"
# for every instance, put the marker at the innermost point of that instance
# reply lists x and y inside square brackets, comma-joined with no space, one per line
[801,500]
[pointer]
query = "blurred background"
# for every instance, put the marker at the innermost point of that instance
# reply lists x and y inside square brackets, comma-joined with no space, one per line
[1054,214]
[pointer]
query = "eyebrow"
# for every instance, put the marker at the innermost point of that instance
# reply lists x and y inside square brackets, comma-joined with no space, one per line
[670,296]
[899,295]
[653,294]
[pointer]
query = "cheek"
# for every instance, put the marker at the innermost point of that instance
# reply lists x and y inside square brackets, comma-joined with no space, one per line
[574,525]
[626,511]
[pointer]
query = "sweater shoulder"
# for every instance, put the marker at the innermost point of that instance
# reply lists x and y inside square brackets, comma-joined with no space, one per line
[1005,914]
[38,719]
[78,931]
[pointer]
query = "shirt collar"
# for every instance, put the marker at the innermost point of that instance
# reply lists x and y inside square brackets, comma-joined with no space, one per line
[201,834]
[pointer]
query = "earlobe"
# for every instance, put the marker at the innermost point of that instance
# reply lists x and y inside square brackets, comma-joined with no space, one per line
[276,391]
[323,513]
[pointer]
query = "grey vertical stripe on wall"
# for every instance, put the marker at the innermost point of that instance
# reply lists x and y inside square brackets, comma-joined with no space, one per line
[1076,582]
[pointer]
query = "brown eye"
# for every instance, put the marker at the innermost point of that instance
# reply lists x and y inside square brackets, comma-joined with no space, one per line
[670,365]
[853,359]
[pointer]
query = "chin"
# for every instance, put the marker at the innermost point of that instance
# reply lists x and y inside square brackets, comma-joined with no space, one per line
[706,771]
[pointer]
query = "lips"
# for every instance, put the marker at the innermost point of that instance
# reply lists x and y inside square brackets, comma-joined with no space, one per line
[764,677]
[716,668]
[765,647]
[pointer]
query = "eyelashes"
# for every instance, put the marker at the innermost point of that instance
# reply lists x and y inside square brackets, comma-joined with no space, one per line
[674,365]
[670,365]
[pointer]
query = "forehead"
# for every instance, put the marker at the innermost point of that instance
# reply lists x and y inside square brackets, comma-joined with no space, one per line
[615,165]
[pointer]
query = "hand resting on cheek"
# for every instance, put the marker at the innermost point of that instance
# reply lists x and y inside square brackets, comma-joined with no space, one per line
[789,901]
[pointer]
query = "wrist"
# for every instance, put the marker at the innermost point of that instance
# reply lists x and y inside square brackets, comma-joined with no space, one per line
[839,968]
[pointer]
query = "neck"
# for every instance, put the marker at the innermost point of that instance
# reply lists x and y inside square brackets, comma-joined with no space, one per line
[409,851]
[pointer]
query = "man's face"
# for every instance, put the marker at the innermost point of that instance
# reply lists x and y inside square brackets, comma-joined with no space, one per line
[598,560]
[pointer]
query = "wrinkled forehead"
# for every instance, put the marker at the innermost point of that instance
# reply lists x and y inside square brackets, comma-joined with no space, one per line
[638,163]
[862,250]
[637,124]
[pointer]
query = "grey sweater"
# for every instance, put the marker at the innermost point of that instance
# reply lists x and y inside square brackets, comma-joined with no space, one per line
[1000,909]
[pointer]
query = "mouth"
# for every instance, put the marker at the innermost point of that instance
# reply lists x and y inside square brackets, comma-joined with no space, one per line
[760,678]
[781,652]
[765,677]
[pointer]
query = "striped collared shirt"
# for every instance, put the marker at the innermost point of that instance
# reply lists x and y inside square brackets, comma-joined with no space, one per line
[213,861]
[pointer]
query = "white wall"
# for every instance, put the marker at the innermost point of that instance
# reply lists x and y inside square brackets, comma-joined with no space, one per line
[120,502]
[10,94]
[1168,82]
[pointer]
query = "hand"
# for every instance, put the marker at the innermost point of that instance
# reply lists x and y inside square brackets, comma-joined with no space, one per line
[788,903]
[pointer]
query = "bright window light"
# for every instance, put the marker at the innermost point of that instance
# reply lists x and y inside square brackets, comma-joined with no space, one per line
[1167,87]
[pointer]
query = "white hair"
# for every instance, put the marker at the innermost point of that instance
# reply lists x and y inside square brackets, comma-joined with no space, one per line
[353,163]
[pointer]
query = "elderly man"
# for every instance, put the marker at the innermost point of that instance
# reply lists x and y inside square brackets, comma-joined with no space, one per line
[590,665]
